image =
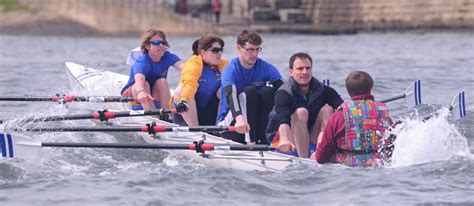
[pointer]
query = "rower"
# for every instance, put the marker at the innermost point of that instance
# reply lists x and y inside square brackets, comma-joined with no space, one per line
[148,74]
[358,130]
[248,85]
[302,107]
[199,86]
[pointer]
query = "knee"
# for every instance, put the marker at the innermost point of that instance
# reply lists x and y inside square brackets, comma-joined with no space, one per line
[301,114]
[161,81]
[325,111]
[250,92]
[147,86]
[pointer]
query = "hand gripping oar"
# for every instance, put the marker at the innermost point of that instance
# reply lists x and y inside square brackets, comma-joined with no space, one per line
[61,99]
[100,115]
[413,90]
[150,128]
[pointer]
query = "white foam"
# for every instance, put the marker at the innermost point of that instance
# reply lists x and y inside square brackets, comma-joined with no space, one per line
[427,141]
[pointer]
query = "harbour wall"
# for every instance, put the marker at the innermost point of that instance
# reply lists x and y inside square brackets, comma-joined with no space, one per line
[313,16]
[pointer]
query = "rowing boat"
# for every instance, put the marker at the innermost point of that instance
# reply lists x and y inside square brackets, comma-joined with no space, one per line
[93,81]
[190,142]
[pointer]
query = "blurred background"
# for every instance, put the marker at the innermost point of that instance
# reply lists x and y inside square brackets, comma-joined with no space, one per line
[186,17]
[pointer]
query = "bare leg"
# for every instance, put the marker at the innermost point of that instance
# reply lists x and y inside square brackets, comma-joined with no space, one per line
[317,130]
[190,116]
[299,130]
[161,93]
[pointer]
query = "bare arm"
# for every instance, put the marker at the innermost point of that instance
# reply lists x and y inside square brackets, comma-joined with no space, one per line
[179,65]
[285,144]
[141,90]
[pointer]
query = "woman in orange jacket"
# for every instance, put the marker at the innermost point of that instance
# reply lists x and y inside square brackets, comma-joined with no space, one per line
[200,82]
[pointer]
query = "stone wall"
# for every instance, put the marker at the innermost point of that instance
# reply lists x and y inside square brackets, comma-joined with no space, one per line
[124,16]
[368,15]
[322,16]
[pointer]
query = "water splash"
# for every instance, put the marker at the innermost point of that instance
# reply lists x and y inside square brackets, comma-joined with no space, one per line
[435,139]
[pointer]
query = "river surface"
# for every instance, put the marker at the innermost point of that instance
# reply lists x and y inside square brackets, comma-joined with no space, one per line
[433,161]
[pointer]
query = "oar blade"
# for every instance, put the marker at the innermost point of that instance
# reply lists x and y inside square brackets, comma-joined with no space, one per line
[18,146]
[326,82]
[458,106]
[413,94]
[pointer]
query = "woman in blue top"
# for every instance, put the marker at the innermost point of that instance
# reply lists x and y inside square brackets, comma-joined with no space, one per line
[148,75]
[200,82]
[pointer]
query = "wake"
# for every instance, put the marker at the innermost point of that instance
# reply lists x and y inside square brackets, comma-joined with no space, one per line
[422,141]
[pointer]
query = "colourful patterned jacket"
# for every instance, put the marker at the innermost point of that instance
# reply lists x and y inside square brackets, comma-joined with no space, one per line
[366,122]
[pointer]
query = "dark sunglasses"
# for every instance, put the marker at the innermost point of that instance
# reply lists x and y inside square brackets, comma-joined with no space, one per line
[216,50]
[157,42]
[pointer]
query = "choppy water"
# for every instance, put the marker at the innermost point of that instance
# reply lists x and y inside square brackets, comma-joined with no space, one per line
[433,162]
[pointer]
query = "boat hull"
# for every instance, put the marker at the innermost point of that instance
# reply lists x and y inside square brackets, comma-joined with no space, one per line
[95,82]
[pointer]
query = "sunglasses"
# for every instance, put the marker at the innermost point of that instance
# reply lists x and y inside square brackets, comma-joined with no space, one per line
[216,50]
[157,42]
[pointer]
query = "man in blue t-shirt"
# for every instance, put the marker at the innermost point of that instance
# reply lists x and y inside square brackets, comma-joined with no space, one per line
[149,72]
[248,85]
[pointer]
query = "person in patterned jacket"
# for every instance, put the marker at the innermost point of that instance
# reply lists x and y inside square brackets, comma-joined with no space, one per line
[357,131]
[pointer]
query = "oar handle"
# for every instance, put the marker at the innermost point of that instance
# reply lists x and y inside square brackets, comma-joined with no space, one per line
[163,128]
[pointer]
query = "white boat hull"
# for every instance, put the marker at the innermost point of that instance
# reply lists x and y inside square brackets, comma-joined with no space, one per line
[95,82]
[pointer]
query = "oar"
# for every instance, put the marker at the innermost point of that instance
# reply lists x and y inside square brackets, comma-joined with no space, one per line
[69,98]
[326,82]
[198,147]
[414,89]
[150,128]
[457,106]
[100,115]
[20,146]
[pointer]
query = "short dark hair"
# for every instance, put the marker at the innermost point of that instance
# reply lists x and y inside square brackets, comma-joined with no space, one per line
[299,55]
[358,83]
[249,36]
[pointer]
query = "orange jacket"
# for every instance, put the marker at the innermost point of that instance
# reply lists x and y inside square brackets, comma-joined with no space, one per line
[190,76]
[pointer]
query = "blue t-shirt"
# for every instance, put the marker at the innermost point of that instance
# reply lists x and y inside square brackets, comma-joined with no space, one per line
[238,75]
[209,83]
[152,70]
